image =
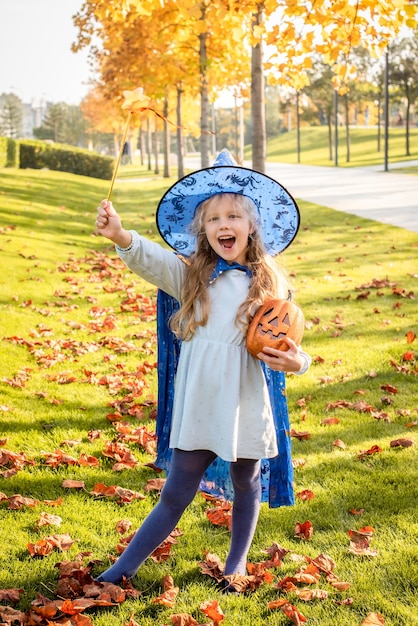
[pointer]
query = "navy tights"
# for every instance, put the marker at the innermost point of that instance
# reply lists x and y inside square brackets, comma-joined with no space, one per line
[187,469]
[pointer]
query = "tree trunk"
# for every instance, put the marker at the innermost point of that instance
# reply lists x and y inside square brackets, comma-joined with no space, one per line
[142,144]
[347,131]
[156,149]
[149,139]
[408,112]
[115,145]
[330,135]
[166,141]
[297,127]
[204,96]
[258,114]
[179,134]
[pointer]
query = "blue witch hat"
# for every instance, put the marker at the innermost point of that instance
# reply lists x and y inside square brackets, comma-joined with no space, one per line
[278,212]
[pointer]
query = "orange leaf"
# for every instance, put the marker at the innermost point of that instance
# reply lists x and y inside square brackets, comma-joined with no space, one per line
[289,610]
[373,450]
[410,336]
[304,531]
[328,421]
[221,514]
[306,494]
[212,610]
[168,597]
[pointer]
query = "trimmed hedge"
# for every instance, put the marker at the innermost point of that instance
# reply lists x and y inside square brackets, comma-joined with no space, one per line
[9,152]
[38,155]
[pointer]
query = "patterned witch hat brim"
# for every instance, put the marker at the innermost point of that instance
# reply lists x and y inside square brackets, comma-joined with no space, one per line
[278,212]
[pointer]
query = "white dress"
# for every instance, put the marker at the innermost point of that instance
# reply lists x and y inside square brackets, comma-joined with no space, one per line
[221,400]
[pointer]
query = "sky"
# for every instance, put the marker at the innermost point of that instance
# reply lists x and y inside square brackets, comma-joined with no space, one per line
[36,62]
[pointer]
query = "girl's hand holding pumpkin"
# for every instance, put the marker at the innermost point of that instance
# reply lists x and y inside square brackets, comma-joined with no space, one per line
[289,361]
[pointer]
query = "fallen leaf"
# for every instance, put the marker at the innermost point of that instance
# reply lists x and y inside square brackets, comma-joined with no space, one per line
[212,610]
[304,531]
[301,435]
[329,421]
[311,594]
[306,494]
[11,595]
[401,443]
[169,595]
[123,526]
[47,518]
[73,484]
[295,616]
[373,450]
[410,336]
[389,388]
[221,514]
[17,502]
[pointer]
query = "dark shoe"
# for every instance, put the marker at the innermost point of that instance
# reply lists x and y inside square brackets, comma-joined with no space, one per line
[228,588]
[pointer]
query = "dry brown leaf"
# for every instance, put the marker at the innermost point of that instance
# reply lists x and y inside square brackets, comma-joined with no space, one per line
[46,519]
[169,595]
[329,421]
[123,526]
[304,531]
[401,443]
[311,594]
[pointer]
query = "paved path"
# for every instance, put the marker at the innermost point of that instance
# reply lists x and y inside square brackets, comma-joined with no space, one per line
[368,192]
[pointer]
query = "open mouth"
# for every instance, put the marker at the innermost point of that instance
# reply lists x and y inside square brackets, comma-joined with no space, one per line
[226,242]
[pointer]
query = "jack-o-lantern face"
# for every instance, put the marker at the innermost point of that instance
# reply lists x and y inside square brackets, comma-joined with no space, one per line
[273,321]
[272,325]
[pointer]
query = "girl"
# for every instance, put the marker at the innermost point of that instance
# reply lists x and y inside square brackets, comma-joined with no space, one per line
[221,405]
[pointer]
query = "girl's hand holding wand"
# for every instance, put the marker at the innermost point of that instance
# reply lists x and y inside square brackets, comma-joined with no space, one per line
[108,224]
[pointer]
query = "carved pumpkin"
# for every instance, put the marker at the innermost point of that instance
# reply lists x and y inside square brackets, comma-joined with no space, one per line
[274,320]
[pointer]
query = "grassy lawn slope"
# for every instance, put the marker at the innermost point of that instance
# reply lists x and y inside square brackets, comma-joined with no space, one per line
[78,392]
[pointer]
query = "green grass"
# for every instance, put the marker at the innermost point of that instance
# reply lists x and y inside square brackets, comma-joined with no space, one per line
[314,148]
[55,271]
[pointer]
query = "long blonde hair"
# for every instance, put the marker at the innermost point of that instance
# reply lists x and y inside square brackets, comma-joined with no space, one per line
[267,276]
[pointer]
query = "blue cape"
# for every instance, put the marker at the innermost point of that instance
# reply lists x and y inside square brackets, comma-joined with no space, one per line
[276,473]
